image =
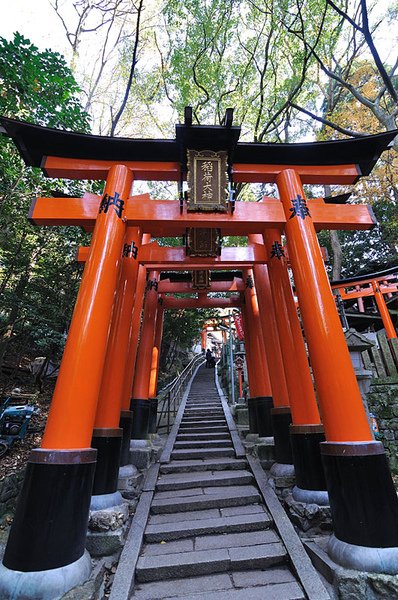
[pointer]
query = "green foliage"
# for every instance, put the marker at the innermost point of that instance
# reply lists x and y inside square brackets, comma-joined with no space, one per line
[38,87]
[38,272]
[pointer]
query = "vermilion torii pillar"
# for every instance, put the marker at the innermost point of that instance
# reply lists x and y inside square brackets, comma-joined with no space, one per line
[280,413]
[306,431]
[126,415]
[140,402]
[261,404]
[64,465]
[107,435]
[362,496]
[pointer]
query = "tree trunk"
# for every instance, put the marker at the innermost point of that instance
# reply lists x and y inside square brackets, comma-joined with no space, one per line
[337,251]
[337,255]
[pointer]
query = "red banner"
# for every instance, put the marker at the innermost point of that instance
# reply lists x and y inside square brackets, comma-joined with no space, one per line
[239,327]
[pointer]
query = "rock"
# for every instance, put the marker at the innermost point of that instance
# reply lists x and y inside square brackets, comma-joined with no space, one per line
[386,586]
[108,519]
[351,585]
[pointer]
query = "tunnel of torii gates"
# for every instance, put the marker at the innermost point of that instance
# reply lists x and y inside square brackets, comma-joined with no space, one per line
[104,392]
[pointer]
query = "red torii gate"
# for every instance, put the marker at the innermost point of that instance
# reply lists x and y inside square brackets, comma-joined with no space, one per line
[376,286]
[65,463]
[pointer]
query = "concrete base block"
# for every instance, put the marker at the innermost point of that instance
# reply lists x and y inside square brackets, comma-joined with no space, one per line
[252,437]
[283,475]
[102,501]
[265,451]
[51,584]
[363,558]
[241,414]
[141,452]
[105,543]
[129,480]
[320,497]
[106,531]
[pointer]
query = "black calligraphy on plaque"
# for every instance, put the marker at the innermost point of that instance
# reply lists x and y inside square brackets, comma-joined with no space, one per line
[115,201]
[300,208]
[130,250]
[207,180]
[277,250]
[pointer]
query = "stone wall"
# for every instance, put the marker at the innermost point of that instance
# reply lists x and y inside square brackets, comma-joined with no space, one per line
[382,400]
[9,490]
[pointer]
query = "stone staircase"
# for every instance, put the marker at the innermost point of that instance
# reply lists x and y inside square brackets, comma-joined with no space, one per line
[209,535]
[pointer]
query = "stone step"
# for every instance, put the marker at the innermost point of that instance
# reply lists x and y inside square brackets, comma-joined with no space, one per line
[203,444]
[203,436]
[212,464]
[203,562]
[202,422]
[186,453]
[205,429]
[196,542]
[203,414]
[181,481]
[209,416]
[274,583]
[208,513]
[202,405]
[215,525]
[211,497]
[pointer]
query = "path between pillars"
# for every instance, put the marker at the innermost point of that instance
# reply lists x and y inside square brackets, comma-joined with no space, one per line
[208,526]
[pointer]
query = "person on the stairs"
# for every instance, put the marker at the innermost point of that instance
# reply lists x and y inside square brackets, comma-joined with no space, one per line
[210,361]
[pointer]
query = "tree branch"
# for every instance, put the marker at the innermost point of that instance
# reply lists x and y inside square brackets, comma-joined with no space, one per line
[116,119]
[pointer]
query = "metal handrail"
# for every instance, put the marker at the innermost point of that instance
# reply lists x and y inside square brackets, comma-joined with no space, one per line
[170,397]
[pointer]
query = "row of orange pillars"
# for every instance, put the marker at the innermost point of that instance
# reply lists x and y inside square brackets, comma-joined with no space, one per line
[331,440]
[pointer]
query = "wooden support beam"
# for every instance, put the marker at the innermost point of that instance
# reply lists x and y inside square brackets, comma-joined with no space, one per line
[321,174]
[163,218]
[77,168]
[166,286]
[178,303]
[80,168]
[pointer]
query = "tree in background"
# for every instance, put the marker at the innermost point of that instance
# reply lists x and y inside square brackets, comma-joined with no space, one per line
[38,272]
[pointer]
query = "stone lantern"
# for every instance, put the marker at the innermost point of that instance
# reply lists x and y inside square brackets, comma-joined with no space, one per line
[358,343]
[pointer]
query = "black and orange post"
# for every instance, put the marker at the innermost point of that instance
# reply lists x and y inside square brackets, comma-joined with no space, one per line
[260,402]
[126,415]
[140,403]
[107,435]
[306,430]
[364,514]
[63,468]
[280,413]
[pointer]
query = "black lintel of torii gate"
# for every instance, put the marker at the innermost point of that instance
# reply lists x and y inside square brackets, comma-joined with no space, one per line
[35,143]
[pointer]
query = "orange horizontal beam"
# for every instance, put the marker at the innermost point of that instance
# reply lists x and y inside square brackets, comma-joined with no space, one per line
[326,174]
[83,251]
[78,168]
[364,281]
[152,253]
[75,168]
[185,287]
[178,303]
[368,291]
[163,218]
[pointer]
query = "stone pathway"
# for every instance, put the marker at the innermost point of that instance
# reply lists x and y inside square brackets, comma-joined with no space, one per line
[209,535]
